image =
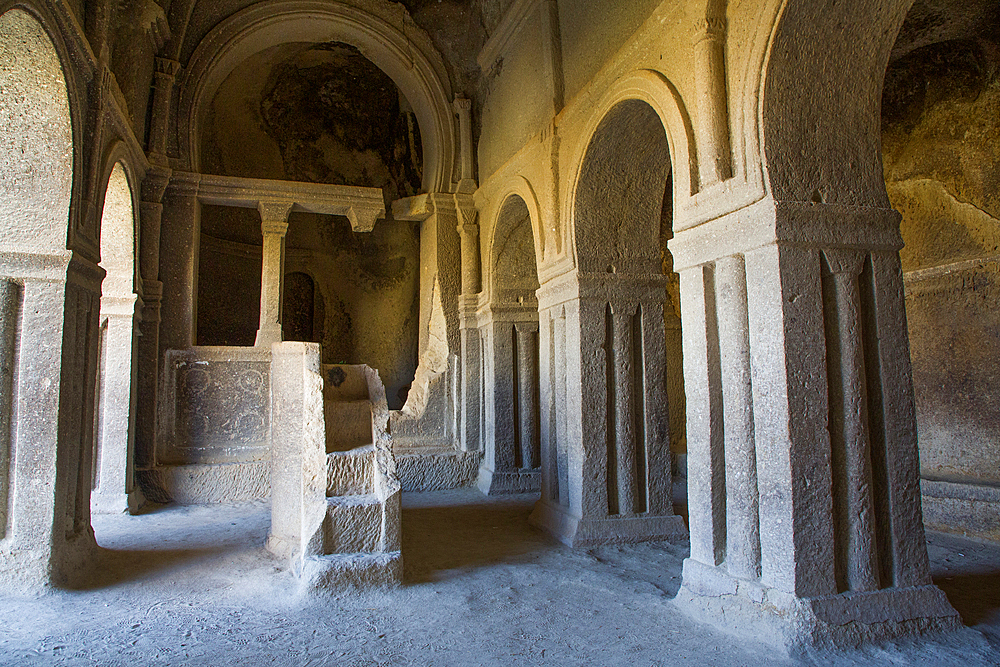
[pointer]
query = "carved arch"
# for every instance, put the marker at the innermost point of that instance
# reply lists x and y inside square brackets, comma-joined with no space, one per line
[408,58]
[521,187]
[118,153]
[663,97]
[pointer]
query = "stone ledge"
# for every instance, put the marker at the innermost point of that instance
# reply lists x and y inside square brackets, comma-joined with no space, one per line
[437,470]
[576,531]
[207,484]
[971,510]
[340,572]
[495,483]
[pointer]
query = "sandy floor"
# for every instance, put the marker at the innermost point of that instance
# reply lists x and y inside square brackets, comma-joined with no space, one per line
[192,586]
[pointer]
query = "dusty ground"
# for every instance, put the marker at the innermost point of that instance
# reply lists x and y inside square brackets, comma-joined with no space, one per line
[192,586]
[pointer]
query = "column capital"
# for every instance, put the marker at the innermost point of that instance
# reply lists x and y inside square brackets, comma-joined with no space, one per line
[166,68]
[710,27]
[274,216]
[844,260]
[525,328]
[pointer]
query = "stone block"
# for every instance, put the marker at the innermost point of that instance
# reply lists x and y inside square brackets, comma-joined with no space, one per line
[214,405]
[350,473]
[353,524]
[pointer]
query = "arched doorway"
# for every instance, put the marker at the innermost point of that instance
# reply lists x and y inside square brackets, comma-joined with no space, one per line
[114,424]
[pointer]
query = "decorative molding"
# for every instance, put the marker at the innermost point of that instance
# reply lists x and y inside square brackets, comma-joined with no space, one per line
[499,42]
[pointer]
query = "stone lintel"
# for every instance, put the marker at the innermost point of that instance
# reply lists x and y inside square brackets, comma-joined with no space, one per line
[362,206]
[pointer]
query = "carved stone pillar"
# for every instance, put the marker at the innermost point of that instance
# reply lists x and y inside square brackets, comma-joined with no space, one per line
[527,394]
[115,491]
[468,231]
[274,226]
[511,461]
[470,426]
[180,240]
[802,470]
[463,108]
[611,448]
[151,293]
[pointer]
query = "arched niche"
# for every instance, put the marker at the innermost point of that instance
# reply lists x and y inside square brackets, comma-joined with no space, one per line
[513,273]
[48,315]
[36,139]
[509,334]
[941,161]
[620,193]
[113,484]
[320,113]
[408,58]
[608,342]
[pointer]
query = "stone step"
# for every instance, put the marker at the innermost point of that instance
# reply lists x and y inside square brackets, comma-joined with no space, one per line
[353,524]
[350,473]
[348,424]
[344,382]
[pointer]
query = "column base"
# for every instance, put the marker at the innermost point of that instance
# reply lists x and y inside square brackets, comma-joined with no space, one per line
[574,531]
[117,503]
[268,334]
[749,610]
[30,567]
[496,483]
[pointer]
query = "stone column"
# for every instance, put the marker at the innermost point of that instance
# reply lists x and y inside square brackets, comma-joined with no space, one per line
[274,226]
[151,292]
[114,491]
[463,108]
[468,304]
[606,394]
[163,90]
[511,459]
[712,119]
[527,393]
[53,305]
[180,239]
[802,448]
[470,426]
[740,457]
[854,511]
[10,301]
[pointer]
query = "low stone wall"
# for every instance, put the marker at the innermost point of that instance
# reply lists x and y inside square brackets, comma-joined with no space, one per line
[214,426]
